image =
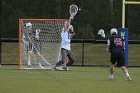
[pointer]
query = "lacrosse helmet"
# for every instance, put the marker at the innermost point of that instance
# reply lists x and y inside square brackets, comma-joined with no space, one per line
[29,25]
[113,31]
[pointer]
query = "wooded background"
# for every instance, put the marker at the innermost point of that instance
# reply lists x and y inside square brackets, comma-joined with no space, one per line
[94,15]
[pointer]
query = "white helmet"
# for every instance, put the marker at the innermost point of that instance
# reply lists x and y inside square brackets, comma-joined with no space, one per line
[28,24]
[113,30]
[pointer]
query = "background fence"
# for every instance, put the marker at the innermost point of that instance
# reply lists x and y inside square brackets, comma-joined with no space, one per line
[94,15]
[86,52]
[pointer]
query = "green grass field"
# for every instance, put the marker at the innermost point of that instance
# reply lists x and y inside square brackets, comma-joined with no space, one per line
[77,80]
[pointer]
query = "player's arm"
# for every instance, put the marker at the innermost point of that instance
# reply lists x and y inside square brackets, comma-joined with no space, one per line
[23,39]
[108,45]
[66,26]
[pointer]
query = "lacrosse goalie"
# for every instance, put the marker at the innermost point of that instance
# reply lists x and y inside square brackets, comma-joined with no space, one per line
[66,35]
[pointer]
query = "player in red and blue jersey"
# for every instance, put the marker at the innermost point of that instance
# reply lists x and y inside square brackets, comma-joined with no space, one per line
[115,45]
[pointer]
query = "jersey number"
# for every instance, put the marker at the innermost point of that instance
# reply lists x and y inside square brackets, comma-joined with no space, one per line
[118,41]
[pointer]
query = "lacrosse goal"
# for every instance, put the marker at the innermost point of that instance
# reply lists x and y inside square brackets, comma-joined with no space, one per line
[39,42]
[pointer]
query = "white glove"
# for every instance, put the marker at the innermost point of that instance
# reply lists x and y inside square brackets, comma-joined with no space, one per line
[70,27]
[37,36]
[37,33]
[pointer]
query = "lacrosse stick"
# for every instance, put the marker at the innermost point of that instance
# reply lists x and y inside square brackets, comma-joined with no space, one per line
[101,32]
[73,11]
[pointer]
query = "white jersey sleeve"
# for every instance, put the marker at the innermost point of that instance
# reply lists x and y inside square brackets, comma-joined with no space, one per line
[108,42]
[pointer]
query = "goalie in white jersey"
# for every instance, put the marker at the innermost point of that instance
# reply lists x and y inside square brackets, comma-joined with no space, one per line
[66,35]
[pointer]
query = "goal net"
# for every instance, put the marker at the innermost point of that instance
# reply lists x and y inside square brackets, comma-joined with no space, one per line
[39,42]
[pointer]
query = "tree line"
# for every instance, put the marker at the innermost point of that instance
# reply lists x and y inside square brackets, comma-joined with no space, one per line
[94,15]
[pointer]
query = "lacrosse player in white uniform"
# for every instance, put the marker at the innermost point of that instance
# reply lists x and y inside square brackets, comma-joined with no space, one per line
[28,38]
[27,43]
[66,35]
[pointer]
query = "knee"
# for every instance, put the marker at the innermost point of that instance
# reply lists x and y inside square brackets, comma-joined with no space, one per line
[112,68]
[62,61]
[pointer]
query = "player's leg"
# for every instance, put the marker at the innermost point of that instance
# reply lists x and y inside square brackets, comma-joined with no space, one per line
[29,58]
[71,58]
[125,71]
[111,77]
[113,61]
[36,49]
[63,60]
[28,55]
[121,61]
[29,52]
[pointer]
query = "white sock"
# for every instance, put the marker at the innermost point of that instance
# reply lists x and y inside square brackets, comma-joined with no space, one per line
[127,75]
[29,63]
[111,75]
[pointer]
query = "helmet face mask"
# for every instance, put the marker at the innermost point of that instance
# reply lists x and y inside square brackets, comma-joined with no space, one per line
[113,31]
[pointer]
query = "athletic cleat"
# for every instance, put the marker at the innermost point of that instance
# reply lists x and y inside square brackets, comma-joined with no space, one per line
[66,68]
[60,68]
[111,77]
[29,66]
[53,68]
[41,66]
[128,78]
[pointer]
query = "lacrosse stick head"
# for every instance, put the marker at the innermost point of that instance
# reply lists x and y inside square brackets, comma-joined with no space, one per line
[73,11]
[101,32]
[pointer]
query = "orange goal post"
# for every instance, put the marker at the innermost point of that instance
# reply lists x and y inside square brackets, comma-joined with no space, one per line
[39,42]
